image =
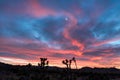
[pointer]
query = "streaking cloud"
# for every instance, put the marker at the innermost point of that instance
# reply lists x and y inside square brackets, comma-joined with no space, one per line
[86,29]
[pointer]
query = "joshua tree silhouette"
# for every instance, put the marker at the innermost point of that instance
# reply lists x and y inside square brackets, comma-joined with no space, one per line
[43,62]
[73,59]
[69,62]
[66,62]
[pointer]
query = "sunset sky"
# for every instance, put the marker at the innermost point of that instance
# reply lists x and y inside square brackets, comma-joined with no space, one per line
[60,29]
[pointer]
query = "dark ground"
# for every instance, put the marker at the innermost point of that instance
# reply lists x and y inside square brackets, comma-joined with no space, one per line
[9,72]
